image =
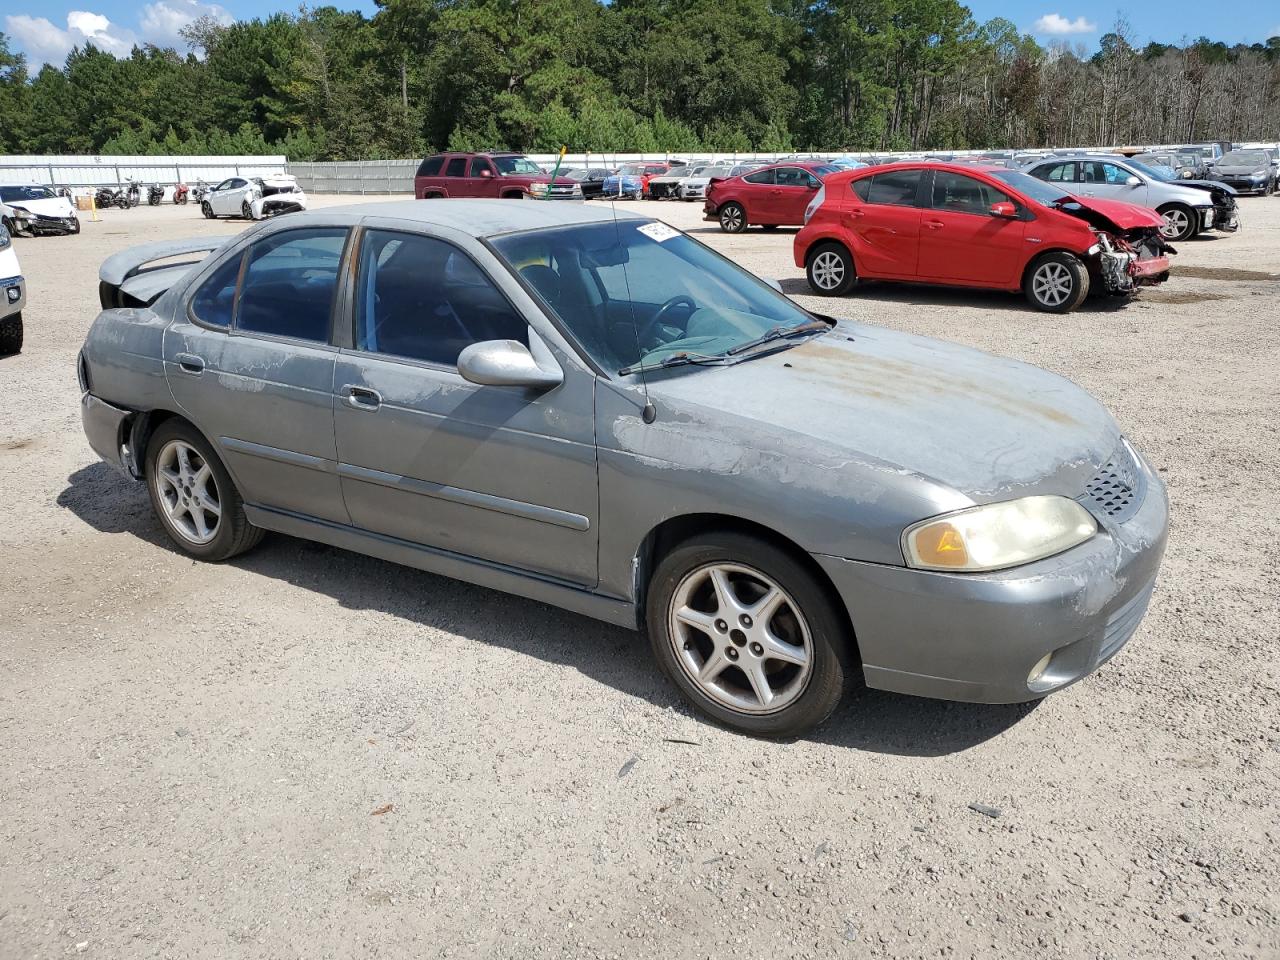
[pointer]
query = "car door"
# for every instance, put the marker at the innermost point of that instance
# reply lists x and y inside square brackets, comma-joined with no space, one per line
[455,178]
[229,196]
[883,214]
[754,193]
[251,364]
[482,178]
[962,241]
[1110,181]
[793,188]
[503,474]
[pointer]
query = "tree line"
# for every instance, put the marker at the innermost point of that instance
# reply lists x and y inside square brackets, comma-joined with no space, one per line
[634,75]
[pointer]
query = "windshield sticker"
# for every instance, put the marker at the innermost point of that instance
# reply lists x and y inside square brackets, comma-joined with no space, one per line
[658,231]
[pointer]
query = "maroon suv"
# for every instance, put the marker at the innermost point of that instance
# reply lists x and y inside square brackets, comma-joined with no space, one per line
[506,175]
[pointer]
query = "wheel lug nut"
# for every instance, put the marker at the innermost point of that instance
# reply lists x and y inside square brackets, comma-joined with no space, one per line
[757,649]
[731,653]
[744,620]
[721,626]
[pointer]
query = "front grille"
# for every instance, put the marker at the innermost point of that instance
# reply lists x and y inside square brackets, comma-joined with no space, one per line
[1116,491]
[1122,624]
[562,190]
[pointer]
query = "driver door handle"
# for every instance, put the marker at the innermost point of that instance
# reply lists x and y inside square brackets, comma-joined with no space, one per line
[934,224]
[362,398]
[190,363]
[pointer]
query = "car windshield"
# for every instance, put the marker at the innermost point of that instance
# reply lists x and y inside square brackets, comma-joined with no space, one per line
[1244,158]
[1154,172]
[638,291]
[516,165]
[1042,193]
[18,194]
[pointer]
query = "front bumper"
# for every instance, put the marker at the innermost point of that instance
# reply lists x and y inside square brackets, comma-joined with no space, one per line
[104,426]
[13,296]
[40,225]
[976,637]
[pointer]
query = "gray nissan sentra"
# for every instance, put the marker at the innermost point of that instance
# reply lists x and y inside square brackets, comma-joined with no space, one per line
[598,412]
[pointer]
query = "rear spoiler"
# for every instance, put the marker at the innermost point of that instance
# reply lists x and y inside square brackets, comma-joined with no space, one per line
[127,279]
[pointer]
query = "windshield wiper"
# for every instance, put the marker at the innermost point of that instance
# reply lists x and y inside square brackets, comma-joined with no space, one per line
[779,333]
[675,360]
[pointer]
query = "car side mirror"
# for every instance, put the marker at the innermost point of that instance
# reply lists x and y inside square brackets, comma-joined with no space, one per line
[1004,209]
[507,363]
[1132,181]
[486,173]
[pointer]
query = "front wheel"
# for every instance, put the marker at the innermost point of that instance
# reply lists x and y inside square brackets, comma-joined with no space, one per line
[1180,223]
[246,211]
[748,635]
[193,496]
[733,218]
[830,270]
[207,209]
[11,335]
[1057,283]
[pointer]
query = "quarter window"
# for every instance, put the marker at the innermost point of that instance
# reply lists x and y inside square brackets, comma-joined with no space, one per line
[431,166]
[862,188]
[760,176]
[215,298]
[897,188]
[425,299]
[457,167]
[289,284]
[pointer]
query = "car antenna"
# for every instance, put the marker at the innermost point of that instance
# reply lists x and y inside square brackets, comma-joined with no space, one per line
[649,413]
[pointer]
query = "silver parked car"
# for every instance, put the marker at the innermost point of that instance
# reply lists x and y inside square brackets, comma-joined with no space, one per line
[597,411]
[1187,206]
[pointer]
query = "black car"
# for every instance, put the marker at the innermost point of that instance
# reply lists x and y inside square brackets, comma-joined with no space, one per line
[1250,170]
[591,179]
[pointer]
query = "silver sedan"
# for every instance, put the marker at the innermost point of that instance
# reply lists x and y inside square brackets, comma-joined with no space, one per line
[597,411]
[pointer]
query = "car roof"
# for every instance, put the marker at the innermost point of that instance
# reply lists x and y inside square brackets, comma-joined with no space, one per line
[480,218]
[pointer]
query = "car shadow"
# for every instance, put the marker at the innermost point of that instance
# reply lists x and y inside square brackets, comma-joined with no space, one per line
[924,295]
[868,721]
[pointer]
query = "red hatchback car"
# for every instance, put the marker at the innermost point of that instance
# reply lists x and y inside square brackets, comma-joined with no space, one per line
[771,197]
[977,227]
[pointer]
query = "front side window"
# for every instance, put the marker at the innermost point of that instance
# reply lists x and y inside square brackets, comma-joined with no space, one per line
[760,176]
[794,177]
[480,166]
[957,193]
[1095,171]
[424,299]
[289,283]
[214,299]
[897,188]
[457,167]
[226,184]
[640,291]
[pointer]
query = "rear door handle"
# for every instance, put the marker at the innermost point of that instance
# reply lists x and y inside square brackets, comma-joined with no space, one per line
[362,398]
[933,224]
[190,363]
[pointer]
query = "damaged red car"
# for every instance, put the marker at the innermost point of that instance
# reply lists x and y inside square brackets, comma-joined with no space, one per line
[977,227]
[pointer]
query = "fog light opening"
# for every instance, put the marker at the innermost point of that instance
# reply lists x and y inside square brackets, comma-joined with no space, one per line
[1038,670]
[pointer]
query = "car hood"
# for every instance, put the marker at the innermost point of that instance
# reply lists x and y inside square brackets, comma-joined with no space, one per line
[986,427]
[1240,169]
[50,207]
[1210,185]
[1121,215]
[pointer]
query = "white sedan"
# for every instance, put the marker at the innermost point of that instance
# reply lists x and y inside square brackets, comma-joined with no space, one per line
[254,198]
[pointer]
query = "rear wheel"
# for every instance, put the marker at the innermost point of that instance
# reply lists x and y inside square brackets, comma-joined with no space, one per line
[11,335]
[733,218]
[830,270]
[1179,222]
[192,494]
[1057,283]
[246,211]
[748,635]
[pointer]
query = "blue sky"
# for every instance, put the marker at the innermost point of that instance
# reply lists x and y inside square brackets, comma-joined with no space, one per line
[46,29]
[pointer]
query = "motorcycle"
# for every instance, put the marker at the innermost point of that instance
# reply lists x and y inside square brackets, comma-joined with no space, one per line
[199,191]
[133,193]
[180,192]
[111,197]
[155,193]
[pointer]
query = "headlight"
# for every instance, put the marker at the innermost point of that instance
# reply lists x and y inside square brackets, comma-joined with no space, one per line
[998,535]
[815,203]
[538,188]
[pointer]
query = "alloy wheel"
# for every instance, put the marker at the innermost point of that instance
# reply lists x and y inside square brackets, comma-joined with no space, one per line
[188,492]
[1052,284]
[731,218]
[828,270]
[1175,224]
[740,638]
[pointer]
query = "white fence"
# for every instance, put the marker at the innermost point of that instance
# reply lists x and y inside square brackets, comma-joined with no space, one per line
[98,171]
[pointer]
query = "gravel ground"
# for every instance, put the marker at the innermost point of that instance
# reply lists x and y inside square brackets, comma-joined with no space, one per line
[306,752]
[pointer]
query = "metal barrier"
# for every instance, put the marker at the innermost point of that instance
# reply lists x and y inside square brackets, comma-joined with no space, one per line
[101,171]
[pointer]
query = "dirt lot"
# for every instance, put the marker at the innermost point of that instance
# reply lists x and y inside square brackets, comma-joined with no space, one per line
[195,758]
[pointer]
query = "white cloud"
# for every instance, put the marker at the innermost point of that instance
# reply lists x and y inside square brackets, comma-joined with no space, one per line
[44,42]
[1058,25]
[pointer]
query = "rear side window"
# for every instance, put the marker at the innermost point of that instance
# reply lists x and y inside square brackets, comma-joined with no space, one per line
[897,188]
[760,176]
[289,283]
[1056,172]
[215,298]
[457,167]
[431,167]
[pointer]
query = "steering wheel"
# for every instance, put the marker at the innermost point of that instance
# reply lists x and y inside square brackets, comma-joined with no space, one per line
[681,298]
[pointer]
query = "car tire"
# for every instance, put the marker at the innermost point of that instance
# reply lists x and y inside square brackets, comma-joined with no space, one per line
[246,210]
[1056,283]
[1181,222]
[806,630]
[181,493]
[207,209]
[11,335]
[830,270]
[733,218]
[75,225]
